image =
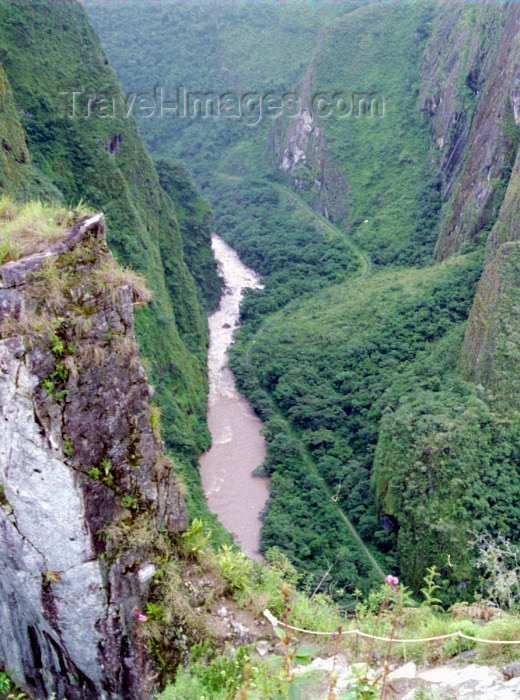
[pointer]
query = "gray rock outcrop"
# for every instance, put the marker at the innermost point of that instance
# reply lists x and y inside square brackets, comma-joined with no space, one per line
[75,441]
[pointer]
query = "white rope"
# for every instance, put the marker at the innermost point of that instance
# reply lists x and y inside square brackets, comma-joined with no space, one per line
[392,640]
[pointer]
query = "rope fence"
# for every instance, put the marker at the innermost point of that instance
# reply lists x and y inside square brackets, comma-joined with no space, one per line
[391,640]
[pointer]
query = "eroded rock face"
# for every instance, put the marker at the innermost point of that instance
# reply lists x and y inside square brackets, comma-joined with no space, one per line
[300,134]
[490,354]
[69,455]
[302,156]
[507,226]
[43,535]
[470,90]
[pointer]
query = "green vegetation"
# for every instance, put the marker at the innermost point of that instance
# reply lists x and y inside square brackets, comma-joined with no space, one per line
[277,236]
[446,466]
[103,163]
[195,224]
[382,454]
[511,133]
[103,473]
[327,363]
[218,678]
[348,47]
[14,150]
[492,343]
[207,48]
[388,611]
[32,227]
[9,689]
[271,233]
[350,354]
[392,195]
[18,176]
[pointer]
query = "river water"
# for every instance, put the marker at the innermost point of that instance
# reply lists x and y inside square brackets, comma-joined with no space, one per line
[238,447]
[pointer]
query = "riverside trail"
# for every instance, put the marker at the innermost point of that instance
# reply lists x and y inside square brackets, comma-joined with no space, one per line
[366,268]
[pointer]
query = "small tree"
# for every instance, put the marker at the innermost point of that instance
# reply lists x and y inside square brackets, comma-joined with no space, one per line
[499,563]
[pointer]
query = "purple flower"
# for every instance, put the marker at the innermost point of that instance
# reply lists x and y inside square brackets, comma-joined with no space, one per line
[142,618]
[392,580]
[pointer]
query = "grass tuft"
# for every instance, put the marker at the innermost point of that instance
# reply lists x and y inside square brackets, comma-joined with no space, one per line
[31,227]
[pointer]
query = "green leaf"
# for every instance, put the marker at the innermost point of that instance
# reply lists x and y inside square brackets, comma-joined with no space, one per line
[274,661]
[302,660]
[279,632]
[294,691]
[307,650]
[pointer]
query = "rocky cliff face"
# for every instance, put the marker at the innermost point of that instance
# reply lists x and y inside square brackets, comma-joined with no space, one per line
[491,354]
[507,225]
[77,454]
[103,162]
[471,91]
[303,158]
[301,154]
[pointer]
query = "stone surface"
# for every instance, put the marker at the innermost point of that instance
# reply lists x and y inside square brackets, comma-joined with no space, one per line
[453,676]
[67,615]
[302,155]
[512,671]
[469,82]
[407,671]
[471,682]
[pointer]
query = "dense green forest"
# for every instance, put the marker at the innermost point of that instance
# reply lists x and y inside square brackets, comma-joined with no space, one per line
[351,354]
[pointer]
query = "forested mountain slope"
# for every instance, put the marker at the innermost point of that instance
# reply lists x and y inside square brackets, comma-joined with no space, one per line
[103,163]
[14,148]
[382,354]
[367,383]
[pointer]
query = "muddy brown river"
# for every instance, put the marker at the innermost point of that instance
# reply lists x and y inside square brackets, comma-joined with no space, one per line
[238,447]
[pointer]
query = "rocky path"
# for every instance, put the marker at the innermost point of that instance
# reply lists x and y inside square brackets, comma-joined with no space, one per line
[446,682]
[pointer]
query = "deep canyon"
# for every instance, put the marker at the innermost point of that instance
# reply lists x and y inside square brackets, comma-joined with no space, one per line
[373,352]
